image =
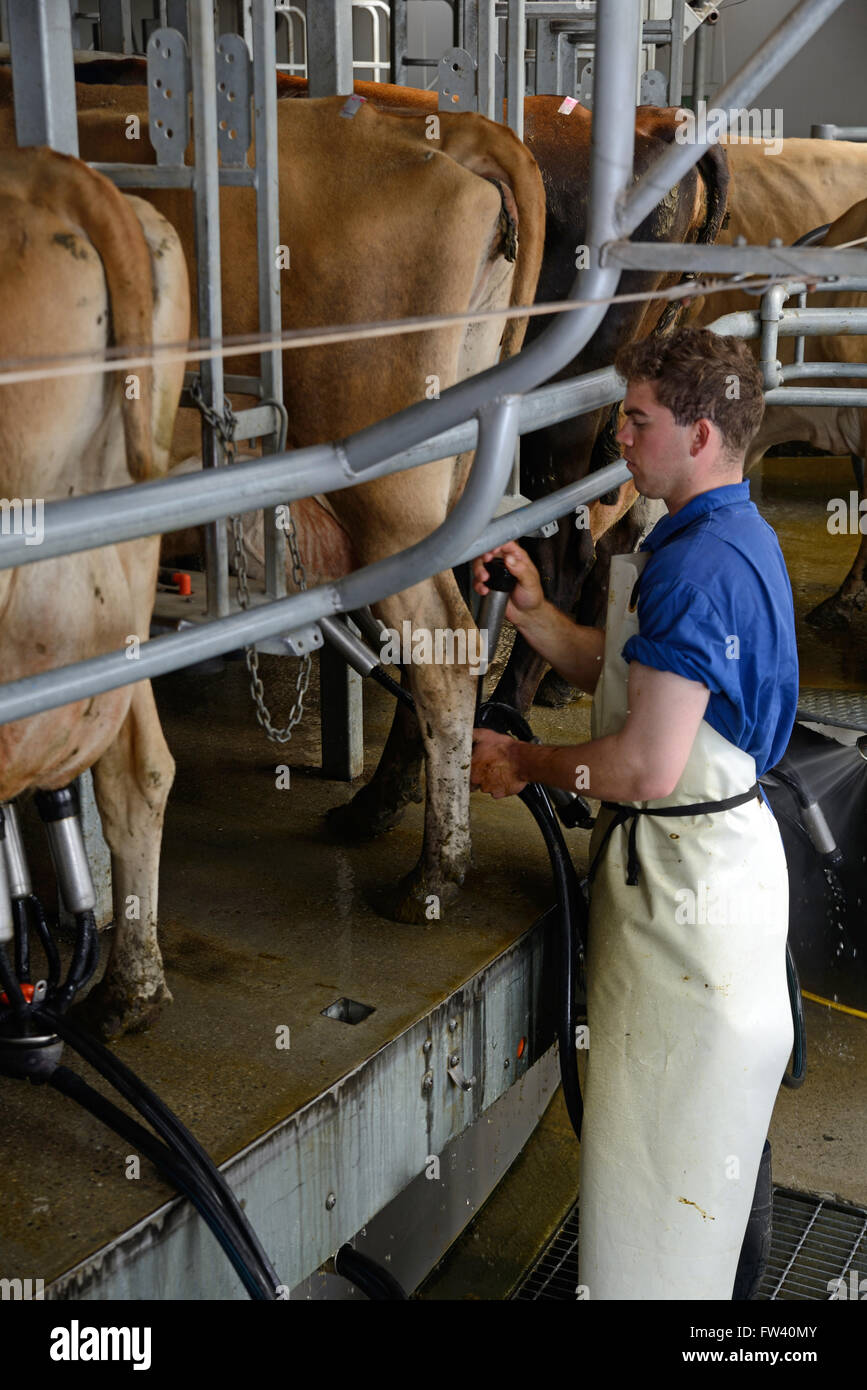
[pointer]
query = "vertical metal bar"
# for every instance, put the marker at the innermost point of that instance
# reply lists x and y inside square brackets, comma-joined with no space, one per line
[329,48]
[547,76]
[206,189]
[699,64]
[567,67]
[268,239]
[615,83]
[530,75]
[487,69]
[675,61]
[468,27]
[516,75]
[340,717]
[245,26]
[397,42]
[40,38]
[800,340]
[176,17]
[115,26]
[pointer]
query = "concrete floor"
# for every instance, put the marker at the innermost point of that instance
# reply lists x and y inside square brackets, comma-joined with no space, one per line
[266,921]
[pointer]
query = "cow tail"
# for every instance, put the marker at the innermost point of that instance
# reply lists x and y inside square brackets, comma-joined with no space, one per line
[524,181]
[93,202]
[714,170]
[495,153]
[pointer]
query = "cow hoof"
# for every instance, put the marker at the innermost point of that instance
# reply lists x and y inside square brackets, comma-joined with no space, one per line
[834,615]
[555,692]
[110,1013]
[415,902]
[363,818]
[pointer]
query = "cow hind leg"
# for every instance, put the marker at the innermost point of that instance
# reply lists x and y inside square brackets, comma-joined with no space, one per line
[379,805]
[836,614]
[132,781]
[444,690]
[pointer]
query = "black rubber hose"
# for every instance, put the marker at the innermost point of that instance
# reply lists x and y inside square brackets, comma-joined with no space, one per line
[177,1172]
[22,940]
[18,1006]
[367,1275]
[572,910]
[795,1078]
[52,955]
[388,683]
[163,1120]
[148,1104]
[793,782]
[205,1174]
[85,959]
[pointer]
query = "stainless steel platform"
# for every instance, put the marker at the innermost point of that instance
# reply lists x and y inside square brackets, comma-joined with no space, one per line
[847,709]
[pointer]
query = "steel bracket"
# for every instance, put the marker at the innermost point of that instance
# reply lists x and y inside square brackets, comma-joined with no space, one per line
[168,96]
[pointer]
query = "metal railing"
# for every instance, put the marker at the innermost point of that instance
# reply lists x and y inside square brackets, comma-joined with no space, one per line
[616,207]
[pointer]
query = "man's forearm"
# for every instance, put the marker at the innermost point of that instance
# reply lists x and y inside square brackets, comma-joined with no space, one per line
[604,768]
[575,652]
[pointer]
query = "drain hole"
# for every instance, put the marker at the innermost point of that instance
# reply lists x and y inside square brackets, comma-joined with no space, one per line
[348,1010]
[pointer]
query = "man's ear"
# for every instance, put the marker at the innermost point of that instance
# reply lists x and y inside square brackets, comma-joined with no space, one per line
[701,435]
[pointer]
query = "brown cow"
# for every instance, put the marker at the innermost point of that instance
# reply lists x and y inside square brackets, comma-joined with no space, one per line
[381,222]
[82,267]
[550,458]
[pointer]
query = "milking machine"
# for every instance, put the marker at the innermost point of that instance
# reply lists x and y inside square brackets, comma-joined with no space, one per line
[34,1029]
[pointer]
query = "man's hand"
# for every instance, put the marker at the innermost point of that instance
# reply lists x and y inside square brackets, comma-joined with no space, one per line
[493,764]
[527,594]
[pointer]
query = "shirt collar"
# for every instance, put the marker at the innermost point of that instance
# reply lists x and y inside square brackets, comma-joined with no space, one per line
[699,506]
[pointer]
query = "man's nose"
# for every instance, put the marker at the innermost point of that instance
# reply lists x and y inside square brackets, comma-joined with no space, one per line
[624,434]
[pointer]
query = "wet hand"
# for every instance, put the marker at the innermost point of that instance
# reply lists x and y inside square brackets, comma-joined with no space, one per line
[527,593]
[493,769]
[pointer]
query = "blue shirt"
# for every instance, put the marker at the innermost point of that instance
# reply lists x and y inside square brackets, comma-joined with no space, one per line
[715,605]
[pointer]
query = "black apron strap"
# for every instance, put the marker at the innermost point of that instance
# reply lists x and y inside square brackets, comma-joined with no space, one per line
[631,813]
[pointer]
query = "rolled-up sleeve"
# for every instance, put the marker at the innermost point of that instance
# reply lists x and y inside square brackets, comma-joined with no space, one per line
[683,632]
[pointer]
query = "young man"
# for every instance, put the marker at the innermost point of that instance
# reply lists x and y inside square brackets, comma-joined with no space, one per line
[695,685]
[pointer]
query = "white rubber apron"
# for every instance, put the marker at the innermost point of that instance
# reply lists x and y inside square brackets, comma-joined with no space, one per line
[689,1018]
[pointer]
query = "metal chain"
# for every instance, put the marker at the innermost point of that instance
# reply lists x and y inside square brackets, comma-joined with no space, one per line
[224,426]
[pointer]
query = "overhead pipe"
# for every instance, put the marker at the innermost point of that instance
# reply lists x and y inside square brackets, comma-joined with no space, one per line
[498,432]
[144,509]
[781,45]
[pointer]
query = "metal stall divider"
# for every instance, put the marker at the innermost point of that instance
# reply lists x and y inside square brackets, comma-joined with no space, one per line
[616,207]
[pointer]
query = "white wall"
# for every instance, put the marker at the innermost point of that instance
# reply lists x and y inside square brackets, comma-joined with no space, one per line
[824,82]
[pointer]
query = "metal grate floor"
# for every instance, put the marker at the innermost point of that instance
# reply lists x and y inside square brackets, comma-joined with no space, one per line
[814,1242]
[847,709]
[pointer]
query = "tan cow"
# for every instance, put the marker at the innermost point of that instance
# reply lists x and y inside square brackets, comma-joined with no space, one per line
[809,183]
[81,268]
[382,219]
[833,429]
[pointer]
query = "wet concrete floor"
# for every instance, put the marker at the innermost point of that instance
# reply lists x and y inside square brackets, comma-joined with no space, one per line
[265,921]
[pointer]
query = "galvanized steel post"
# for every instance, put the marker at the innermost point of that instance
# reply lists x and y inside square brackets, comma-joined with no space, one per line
[329,48]
[40,42]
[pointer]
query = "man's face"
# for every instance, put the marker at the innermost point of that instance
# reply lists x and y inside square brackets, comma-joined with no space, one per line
[657,450]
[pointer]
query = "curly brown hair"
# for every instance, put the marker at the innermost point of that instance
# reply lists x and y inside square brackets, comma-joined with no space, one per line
[699,375]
